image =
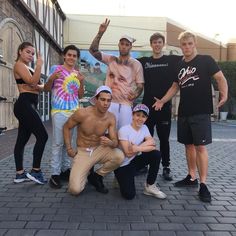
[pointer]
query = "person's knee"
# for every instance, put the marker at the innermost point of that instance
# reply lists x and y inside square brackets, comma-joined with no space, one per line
[75,190]
[76,183]
[45,137]
[158,154]
[155,155]
[119,157]
[190,148]
[42,137]
[201,148]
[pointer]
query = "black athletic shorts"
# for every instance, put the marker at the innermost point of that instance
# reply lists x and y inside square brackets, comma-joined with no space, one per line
[194,129]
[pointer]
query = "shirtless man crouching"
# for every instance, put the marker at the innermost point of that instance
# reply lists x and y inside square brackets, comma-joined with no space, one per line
[93,145]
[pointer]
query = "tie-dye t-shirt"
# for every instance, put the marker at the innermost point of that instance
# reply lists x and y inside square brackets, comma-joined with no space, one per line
[65,90]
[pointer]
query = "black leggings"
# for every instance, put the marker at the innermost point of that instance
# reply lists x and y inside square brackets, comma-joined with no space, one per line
[125,175]
[25,110]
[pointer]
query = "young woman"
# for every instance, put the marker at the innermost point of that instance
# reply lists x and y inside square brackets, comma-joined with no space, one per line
[140,150]
[25,110]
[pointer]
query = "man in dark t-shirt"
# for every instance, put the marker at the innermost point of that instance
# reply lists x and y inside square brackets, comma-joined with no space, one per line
[159,76]
[193,79]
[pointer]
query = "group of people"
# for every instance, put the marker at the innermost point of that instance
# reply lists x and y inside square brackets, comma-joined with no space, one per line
[112,131]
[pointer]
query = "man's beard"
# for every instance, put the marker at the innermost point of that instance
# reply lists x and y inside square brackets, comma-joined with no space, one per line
[124,54]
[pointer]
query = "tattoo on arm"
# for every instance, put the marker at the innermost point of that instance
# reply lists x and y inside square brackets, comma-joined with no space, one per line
[93,49]
[138,90]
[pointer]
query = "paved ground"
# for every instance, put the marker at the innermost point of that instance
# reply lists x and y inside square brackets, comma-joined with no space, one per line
[30,209]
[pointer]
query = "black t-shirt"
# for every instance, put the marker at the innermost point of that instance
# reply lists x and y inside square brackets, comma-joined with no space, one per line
[194,79]
[159,75]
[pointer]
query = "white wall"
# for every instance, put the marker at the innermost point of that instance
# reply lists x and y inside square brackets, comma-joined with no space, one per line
[81,29]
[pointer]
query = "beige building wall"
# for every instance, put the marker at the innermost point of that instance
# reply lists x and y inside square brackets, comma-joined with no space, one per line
[81,29]
[173,31]
[39,22]
[211,47]
[204,45]
[231,53]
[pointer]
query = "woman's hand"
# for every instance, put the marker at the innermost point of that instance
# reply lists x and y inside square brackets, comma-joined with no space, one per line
[39,61]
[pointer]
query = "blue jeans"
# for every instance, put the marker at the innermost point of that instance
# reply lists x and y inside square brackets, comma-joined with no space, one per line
[60,160]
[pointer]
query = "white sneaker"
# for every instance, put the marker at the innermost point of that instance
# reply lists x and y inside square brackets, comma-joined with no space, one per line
[153,190]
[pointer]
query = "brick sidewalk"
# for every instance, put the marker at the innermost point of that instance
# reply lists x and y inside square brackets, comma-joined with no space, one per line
[30,209]
[8,140]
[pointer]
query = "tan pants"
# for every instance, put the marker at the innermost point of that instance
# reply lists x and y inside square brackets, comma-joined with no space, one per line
[85,159]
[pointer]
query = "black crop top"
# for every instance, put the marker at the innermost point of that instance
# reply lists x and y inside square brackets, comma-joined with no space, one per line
[21,81]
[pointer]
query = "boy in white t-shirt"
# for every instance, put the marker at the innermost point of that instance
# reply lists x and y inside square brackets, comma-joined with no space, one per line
[140,150]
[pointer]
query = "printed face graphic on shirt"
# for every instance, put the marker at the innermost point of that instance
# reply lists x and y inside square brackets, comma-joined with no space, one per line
[120,80]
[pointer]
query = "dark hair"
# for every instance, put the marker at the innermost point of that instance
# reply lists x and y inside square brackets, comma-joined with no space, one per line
[71,47]
[23,46]
[157,36]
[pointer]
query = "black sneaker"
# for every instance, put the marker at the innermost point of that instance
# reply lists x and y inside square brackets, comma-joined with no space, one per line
[97,181]
[55,181]
[186,182]
[204,194]
[166,174]
[65,175]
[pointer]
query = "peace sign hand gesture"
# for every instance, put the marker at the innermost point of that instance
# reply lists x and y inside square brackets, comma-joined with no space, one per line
[39,61]
[103,26]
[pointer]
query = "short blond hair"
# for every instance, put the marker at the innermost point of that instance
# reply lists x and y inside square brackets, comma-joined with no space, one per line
[186,35]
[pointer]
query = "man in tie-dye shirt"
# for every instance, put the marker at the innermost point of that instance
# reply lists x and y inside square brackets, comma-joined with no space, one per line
[66,86]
